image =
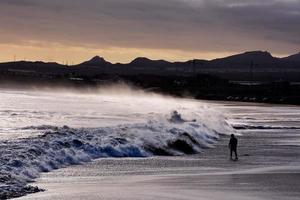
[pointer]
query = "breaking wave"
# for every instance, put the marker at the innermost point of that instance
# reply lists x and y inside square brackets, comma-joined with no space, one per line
[23,160]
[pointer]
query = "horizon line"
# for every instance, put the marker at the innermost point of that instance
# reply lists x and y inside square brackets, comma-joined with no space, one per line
[72,63]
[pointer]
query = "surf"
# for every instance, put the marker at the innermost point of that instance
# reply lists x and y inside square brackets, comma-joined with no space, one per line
[157,126]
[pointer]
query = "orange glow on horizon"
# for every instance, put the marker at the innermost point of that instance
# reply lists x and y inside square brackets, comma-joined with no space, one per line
[75,55]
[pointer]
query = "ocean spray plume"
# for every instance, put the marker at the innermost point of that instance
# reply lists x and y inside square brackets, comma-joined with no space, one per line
[116,124]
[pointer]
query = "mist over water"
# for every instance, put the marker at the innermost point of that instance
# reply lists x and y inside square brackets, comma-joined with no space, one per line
[108,106]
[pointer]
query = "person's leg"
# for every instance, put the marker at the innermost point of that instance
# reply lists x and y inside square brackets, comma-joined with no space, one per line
[235,152]
[231,154]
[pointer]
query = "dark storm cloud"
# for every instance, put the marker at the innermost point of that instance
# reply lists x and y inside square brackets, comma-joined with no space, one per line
[200,25]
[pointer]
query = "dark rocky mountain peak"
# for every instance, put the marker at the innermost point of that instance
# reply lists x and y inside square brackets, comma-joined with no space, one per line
[96,61]
[146,61]
[255,56]
[141,60]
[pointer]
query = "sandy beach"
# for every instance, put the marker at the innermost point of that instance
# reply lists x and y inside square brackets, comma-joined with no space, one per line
[268,168]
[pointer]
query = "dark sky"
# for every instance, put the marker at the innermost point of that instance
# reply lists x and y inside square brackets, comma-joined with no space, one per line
[120,30]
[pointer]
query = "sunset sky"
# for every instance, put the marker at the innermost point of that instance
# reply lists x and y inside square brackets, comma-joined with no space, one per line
[120,30]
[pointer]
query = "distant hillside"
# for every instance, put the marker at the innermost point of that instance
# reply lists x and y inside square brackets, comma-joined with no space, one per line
[294,58]
[248,66]
[147,62]
[247,57]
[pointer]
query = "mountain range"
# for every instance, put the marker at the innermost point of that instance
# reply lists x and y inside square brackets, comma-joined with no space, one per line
[247,57]
[253,65]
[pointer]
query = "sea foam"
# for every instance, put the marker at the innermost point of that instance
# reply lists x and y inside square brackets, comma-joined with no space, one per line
[154,126]
[24,159]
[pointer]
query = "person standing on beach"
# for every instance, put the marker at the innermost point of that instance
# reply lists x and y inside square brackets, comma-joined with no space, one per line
[233,146]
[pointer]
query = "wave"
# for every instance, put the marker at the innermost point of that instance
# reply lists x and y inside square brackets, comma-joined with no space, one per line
[23,160]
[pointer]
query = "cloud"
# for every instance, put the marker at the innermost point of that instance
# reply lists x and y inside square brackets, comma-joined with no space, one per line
[186,25]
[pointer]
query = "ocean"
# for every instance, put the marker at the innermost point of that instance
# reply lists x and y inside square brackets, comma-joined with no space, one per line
[120,131]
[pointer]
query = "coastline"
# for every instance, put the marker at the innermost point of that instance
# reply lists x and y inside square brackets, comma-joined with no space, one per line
[268,168]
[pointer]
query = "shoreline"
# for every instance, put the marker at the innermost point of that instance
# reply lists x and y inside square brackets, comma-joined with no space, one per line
[268,168]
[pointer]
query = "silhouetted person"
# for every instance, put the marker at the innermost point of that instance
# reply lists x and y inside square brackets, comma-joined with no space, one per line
[233,146]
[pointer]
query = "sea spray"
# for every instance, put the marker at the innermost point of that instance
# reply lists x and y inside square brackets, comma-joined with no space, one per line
[98,125]
[24,159]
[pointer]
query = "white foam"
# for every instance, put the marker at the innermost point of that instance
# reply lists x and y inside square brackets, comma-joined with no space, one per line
[59,147]
[103,124]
